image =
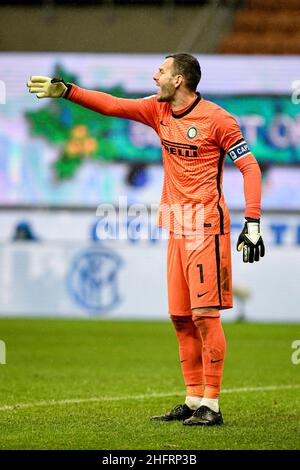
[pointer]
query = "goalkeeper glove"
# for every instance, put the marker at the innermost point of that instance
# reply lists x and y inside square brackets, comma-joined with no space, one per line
[45,87]
[250,241]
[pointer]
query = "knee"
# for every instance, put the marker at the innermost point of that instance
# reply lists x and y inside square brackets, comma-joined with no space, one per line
[182,322]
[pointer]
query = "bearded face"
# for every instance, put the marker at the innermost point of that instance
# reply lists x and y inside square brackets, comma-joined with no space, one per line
[164,79]
[166,92]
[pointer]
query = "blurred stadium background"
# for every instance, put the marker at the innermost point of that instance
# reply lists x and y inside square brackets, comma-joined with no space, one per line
[59,162]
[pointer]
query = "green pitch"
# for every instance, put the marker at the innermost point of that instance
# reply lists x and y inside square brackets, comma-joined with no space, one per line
[94,385]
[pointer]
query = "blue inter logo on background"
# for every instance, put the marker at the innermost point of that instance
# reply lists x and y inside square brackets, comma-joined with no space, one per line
[93,280]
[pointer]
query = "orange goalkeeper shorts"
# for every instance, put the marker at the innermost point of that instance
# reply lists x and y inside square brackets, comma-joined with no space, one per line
[199,277]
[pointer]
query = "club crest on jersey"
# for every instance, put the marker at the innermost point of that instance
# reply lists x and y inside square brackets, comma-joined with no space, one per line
[192,132]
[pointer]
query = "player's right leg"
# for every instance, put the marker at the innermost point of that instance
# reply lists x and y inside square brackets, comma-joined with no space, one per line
[188,335]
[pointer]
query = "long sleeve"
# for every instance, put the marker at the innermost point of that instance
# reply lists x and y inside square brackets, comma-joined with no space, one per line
[249,167]
[143,110]
[229,137]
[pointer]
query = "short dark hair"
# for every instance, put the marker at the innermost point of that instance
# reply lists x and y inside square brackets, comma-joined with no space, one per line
[188,66]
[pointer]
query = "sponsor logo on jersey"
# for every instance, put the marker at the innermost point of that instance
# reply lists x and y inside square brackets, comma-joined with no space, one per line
[239,150]
[181,150]
[192,132]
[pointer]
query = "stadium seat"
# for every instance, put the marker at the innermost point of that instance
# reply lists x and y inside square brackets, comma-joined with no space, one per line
[265,28]
[269,43]
[260,21]
[273,5]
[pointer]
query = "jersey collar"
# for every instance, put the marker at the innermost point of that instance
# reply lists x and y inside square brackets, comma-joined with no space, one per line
[189,109]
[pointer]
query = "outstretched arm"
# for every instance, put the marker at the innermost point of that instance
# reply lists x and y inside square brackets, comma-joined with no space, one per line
[143,110]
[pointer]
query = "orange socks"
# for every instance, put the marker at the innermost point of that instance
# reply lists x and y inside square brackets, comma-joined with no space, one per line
[214,349]
[202,348]
[190,352]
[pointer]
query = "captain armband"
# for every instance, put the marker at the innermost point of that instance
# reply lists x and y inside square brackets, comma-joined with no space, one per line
[239,150]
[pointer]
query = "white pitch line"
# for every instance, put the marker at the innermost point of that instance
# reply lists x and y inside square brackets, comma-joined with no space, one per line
[71,401]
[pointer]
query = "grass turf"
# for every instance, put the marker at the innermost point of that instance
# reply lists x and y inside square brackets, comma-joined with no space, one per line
[77,359]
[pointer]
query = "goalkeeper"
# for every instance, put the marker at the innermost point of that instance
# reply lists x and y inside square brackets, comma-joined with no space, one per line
[196,136]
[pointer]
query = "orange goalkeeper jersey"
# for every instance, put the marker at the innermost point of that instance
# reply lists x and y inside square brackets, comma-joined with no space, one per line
[195,142]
